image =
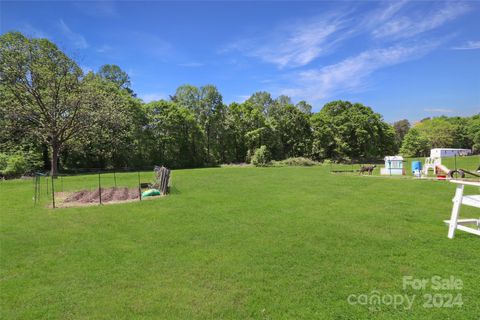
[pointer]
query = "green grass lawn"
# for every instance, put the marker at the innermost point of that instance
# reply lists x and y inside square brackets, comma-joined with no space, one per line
[236,243]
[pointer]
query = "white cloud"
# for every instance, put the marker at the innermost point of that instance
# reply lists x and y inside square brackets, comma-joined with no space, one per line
[298,44]
[438,110]
[149,97]
[421,21]
[351,73]
[470,45]
[401,32]
[386,11]
[76,39]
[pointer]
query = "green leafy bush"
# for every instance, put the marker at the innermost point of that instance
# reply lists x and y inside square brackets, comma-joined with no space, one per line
[297,161]
[16,166]
[261,157]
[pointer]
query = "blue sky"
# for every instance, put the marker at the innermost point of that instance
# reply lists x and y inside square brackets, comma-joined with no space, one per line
[404,59]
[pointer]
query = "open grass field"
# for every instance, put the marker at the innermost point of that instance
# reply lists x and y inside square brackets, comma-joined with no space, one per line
[237,243]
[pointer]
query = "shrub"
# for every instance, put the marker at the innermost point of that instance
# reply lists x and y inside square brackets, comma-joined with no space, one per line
[298,161]
[16,166]
[261,157]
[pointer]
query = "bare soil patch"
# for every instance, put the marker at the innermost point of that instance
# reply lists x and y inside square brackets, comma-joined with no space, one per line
[110,194]
[87,197]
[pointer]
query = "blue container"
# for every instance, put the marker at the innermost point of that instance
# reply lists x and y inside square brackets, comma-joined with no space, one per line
[416,166]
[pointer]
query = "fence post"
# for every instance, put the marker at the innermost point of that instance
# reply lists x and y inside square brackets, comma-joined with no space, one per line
[35,189]
[99,188]
[114,178]
[53,192]
[39,188]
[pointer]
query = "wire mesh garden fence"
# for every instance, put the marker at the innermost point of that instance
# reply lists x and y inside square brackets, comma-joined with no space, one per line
[91,186]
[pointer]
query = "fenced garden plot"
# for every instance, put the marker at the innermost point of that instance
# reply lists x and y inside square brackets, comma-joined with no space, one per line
[102,187]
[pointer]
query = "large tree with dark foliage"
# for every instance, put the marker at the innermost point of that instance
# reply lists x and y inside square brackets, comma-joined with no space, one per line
[342,130]
[47,87]
[401,129]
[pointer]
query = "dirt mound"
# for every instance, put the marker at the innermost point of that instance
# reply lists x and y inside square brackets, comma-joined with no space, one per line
[108,195]
[133,193]
[91,197]
[76,196]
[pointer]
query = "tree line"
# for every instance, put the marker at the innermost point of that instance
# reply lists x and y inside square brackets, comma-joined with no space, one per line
[442,132]
[54,115]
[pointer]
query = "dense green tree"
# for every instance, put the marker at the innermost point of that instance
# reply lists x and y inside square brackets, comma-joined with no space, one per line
[14,130]
[401,128]
[211,116]
[173,136]
[115,74]
[242,123]
[442,132]
[261,100]
[207,105]
[304,107]
[116,120]
[266,135]
[415,144]
[343,130]
[474,132]
[283,100]
[47,86]
[439,132]
[187,96]
[292,127]
[324,144]
[463,137]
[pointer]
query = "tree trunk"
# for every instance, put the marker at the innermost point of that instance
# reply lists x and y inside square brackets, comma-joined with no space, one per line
[45,157]
[55,155]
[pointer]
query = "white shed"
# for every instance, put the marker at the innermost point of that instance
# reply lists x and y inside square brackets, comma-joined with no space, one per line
[393,166]
[449,152]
